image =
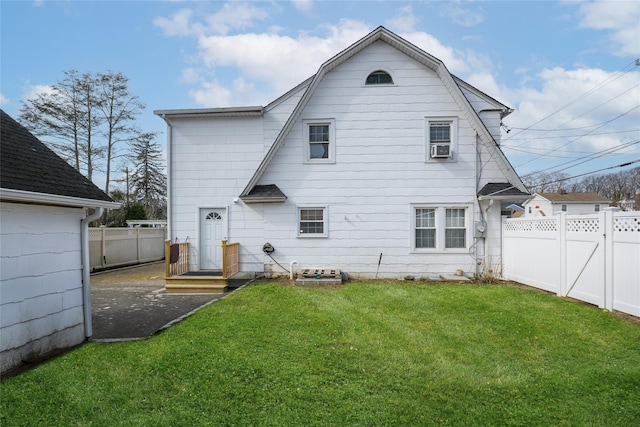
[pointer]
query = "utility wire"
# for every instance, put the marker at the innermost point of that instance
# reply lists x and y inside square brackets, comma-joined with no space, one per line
[600,153]
[535,138]
[615,97]
[575,139]
[602,84]
[592,172]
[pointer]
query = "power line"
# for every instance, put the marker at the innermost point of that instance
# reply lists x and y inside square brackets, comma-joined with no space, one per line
[602,84]
[575,139]
[600,153]
[592,172]
[564,136]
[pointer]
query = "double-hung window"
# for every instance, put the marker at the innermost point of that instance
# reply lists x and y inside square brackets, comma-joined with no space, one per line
[312,222]
[440,133]
[440,228]
[425,228]
[455,228]
[441,138]
[319,141]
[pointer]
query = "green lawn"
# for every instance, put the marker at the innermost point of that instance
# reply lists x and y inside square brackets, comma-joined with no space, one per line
[360,354]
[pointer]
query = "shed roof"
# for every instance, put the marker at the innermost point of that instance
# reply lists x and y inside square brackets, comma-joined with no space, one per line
[27,165]
[264,194]
[502,190]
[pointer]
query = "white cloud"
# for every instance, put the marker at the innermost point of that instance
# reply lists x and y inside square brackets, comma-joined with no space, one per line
[573,111]
[404,21]
[455,61]
[279,62]
[232,16]
[33,91]
[178,25]
[463,16]
[235,16]
[4,100]
[621,18]
[211,94]
[303,5]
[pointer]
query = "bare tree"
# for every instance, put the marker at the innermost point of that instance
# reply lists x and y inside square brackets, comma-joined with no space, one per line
[119,110]
[546,182]
[83,118]
[59,118]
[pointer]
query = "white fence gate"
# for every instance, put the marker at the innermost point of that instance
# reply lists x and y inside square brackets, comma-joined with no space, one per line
[112,247]
[593,258]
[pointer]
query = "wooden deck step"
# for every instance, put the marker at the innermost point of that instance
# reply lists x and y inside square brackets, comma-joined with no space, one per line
[195,284]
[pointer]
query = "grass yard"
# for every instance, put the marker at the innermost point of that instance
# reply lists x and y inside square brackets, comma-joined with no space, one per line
[361,354]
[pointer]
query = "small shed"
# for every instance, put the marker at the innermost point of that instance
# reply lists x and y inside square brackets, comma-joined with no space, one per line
[45,210]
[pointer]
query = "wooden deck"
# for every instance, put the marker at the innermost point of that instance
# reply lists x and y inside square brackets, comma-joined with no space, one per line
[178,278]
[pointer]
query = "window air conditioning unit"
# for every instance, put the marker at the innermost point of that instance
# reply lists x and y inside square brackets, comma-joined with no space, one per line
[440,151]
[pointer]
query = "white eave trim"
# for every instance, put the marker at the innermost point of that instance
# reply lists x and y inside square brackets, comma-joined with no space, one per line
[21,196]
[506,197]
[253,111]
[249,200]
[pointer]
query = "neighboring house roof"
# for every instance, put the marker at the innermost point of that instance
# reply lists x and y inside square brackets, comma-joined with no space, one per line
[574,198]
[30,171]
[450,82]
[514,207]
[502,190]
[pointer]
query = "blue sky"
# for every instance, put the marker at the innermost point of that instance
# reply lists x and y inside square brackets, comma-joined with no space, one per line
[567,68]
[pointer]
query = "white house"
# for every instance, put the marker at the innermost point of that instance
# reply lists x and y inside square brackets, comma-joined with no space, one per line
[549,204]
[382,151]
[44,248]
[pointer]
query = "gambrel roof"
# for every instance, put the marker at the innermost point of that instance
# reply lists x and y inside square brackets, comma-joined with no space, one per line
[31,172]
[451,83]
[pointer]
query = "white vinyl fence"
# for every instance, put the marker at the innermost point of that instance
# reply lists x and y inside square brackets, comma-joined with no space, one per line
[113,247]
[593,258]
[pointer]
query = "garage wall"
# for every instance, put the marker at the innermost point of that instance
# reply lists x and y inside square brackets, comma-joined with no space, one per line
[41,305]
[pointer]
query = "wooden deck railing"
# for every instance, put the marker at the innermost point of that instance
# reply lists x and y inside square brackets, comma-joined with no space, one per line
[230,258]
[176,258]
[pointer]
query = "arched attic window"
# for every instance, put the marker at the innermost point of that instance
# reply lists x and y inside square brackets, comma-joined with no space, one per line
[379,77]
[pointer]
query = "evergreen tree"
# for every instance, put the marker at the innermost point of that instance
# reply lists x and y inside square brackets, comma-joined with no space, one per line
[149,181]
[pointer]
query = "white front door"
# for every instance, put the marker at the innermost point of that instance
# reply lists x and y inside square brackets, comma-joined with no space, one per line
[213,230]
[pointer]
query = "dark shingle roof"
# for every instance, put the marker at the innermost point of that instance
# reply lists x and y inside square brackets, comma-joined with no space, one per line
[26,164]
[501,189]
[265,193]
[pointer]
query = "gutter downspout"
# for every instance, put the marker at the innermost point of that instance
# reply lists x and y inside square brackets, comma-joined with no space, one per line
[86,270]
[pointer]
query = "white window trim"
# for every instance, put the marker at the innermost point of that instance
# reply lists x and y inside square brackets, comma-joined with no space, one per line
[373,70]
[325,221]
[453,121]
[305,141]
[441,227]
